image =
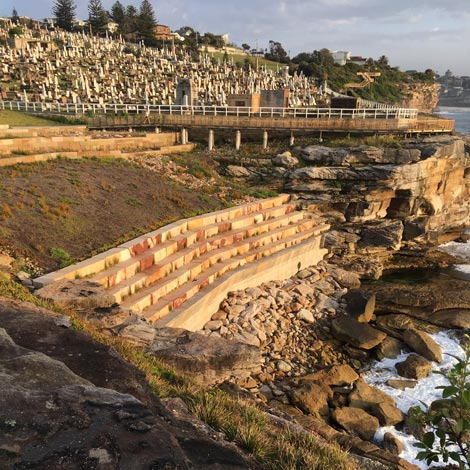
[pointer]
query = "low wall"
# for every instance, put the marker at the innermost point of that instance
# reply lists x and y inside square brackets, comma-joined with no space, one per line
[83,143]
[7,131]
[196,312]
[43,157]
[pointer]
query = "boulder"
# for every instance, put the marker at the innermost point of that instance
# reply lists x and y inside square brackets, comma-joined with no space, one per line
[414,367]
[389,348]
[207,359]
[312,398]
[402,384]
[451,318]
[387,414]
[338,375]
[356,422]
[358,334]
[69,402]
[423,344]
[392,444]
[285,159]
[347,279]
[305,315]
[237,171]
[368,398]
[360,305]
[139,332]
[78,294]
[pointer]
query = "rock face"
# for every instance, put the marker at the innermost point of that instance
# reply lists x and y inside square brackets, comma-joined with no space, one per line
[420,190]
[422,97]
[70,402]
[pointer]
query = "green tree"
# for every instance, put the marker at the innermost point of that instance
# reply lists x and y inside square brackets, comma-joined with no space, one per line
[118,14]
[147,22]
[448,419]
[246,47]
[277,52]
[64,12]
[14,16]
[131,19]
[97,16]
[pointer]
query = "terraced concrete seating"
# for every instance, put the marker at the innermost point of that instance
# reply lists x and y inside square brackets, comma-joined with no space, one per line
[157,272]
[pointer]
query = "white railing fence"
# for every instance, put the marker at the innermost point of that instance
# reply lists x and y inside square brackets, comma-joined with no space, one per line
[91,109]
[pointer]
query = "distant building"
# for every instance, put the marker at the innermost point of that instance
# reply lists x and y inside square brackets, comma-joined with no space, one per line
[23,44]
[341,57]
[224,38]
[358,60]
[163,32]
[257,52]
[265,99]
[249,100]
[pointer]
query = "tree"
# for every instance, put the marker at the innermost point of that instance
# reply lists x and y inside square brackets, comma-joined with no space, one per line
[64,12]
[14,16]
[147,22]
[277,52]
[97,16]
[131,19]
[118,13]
[383,61]
[246,47]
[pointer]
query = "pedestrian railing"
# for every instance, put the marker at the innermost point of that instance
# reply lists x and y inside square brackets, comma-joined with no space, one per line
[92,109]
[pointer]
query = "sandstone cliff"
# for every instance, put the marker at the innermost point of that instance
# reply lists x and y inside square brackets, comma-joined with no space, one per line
[421,190]
[424,97]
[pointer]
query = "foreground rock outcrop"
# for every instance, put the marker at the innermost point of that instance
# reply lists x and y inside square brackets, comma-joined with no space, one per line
[71,402]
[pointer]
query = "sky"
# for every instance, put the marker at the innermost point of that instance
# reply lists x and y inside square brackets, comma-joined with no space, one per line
[413,34]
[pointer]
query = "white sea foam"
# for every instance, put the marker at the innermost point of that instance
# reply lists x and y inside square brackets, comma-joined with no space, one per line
[462,252]
[459,250]
[424,392]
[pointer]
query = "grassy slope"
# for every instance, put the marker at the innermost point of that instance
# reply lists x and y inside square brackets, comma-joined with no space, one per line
[62,210]
[17,119]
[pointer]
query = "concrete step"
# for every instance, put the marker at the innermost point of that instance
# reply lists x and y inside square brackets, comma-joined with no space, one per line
[166,257]
[123,252]
[134,295]
[181,294]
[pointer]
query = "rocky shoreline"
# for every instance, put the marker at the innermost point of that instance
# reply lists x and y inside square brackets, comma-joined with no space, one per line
[298,348]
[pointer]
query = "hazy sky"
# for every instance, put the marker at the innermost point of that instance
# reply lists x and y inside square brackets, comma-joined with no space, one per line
[413,34]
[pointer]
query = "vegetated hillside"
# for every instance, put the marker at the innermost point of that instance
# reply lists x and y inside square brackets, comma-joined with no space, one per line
[388,87]
[63,210]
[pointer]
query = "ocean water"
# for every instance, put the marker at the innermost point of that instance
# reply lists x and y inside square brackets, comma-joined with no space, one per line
[462,252]
[425,391]
[461,116]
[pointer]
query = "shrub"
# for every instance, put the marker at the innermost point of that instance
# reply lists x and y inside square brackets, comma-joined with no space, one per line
[64,259]
[448,419]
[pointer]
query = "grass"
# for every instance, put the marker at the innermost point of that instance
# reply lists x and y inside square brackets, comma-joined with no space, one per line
[18,119]
[240,421]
